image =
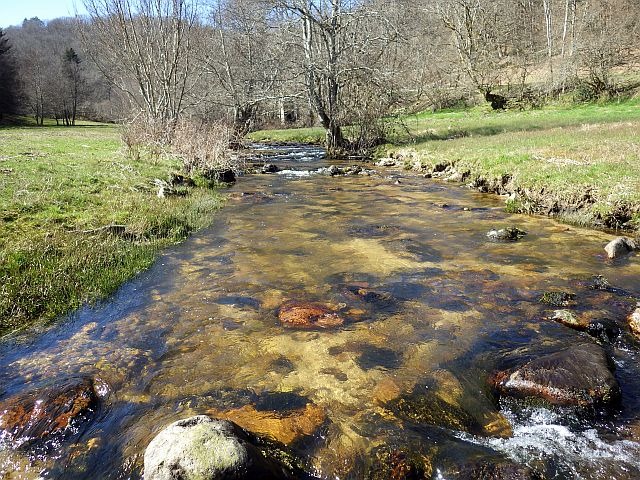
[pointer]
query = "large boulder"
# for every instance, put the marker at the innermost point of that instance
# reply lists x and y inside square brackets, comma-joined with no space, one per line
[579,376]
[619,247]
[308,315]
[36,415]
[201,448]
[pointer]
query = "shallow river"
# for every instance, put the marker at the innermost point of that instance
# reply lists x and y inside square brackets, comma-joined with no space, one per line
[429,303]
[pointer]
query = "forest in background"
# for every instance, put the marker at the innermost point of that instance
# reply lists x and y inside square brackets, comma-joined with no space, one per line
[175,65]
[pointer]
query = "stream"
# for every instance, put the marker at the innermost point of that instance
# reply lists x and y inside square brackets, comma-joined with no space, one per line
[431,307]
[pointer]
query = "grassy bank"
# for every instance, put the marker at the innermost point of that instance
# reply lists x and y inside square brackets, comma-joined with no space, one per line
[59,188]
[578,162]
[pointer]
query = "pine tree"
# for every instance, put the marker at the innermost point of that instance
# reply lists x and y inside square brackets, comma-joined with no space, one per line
[8,82]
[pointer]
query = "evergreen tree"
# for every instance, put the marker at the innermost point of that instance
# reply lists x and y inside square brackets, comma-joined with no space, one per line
[8,82]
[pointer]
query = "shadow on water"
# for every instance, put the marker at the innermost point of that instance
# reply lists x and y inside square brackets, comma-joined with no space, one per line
[431,310]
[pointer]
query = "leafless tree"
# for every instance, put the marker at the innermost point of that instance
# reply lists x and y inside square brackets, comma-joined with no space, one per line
[342,43]
[144,48]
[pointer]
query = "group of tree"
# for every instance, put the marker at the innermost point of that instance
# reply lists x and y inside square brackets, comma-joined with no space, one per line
[328,62]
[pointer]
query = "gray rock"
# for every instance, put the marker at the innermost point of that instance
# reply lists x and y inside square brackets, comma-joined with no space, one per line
[386,162]
[509,234]
[201,448]
[620,246]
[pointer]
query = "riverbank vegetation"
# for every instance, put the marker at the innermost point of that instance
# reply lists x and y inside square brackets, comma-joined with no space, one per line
[80,216]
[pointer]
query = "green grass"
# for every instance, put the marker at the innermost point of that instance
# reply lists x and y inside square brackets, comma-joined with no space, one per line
[58,187]
[555,153]
[313,135]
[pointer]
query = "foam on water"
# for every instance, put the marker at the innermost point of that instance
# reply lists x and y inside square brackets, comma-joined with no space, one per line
[540,434]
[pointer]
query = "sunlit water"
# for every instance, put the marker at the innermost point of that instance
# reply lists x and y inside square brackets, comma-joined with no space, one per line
[199,331]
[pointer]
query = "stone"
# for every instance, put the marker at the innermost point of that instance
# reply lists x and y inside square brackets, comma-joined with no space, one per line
[558,299]
[308,315]
[286,428]
[508,234]
[443,403]
[570,319]
[386,162]
[269,168]
[619,247]
[201,448]
[222,176]
[36,415]
[388,463]
[604,330]
[178,180]
[634,322]
[578,376]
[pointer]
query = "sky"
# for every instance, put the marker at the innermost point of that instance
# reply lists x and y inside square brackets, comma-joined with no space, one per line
[13,12]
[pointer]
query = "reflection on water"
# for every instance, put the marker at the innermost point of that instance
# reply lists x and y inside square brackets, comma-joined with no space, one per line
[430,306]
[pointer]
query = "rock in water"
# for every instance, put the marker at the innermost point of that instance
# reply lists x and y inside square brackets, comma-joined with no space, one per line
[509,234]
[570,319]
[578,376]
[634,322]
[307,315]
[201,448]
[620,246]
[36,415]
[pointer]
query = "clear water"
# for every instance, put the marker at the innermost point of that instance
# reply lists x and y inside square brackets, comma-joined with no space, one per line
[199,330]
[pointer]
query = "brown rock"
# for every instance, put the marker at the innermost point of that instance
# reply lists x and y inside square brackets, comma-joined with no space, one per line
[37,414]
[577,376]
[285,427]
[307,315]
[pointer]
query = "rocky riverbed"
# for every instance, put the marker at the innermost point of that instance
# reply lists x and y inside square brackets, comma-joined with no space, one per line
[343,323]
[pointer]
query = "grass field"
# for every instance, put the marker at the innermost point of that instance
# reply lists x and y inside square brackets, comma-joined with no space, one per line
[559,152]
[59,186]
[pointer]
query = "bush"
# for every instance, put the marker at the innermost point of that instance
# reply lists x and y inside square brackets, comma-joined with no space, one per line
[204,147]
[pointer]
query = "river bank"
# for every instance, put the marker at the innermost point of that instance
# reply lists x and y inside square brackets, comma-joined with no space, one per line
[576,163]
[79,217]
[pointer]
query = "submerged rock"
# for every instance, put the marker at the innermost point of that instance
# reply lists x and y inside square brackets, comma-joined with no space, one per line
[36,415]
[505,470]
[284,427]
[570,319]
[509,234]
[558,299]
[307,315]
[443,404]
[201,448]
[578,376]
[389,463]
[619,247]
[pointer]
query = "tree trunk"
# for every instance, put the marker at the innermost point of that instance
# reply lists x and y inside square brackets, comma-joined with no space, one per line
[335,141]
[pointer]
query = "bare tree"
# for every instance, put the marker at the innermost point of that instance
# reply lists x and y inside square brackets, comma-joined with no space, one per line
[144,48]
[246,56]
[342,42]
